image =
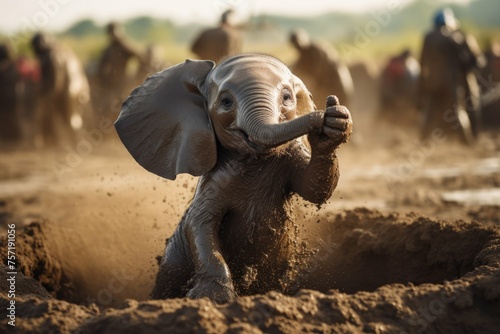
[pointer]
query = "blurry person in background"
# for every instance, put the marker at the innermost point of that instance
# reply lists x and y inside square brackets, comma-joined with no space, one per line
[449,94]
[220,42]
[321,70]
[112,71]
[10,129]
[398,88]
[150,63]
[29,72]
[63,94]
[492,69]
[490,87]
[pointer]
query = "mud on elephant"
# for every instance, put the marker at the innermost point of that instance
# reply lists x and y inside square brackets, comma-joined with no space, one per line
[236,126]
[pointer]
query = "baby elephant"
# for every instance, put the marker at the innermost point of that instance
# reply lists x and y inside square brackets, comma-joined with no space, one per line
[237,125]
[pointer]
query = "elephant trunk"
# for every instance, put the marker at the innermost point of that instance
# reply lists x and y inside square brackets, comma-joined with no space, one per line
[275,134]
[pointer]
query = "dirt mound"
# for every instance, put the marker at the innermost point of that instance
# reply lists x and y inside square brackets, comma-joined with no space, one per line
[462,306]
[362,250]
[34,260]
[375,272]
[25,286]
[488,214]
[36,315]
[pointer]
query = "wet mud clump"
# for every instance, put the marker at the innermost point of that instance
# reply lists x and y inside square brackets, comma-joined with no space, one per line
[372,273]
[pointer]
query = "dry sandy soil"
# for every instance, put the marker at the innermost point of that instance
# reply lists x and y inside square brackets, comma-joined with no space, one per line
[408,243]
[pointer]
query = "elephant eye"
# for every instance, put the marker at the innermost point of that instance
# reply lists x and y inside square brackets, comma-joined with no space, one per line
[226,103]
[287,97]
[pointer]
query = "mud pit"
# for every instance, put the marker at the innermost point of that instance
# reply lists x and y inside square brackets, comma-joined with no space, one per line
[87,242]
[376,273]
[367,249]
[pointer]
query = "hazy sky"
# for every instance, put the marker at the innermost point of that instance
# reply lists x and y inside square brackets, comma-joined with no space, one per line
[58,14]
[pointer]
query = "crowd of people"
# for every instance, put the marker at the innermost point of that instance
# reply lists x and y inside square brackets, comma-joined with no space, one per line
[46,100]
[453,85]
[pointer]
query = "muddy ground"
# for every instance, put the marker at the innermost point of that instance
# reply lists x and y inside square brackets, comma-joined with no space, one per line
[408,243]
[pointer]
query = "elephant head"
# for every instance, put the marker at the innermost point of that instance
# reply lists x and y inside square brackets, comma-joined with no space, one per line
[174,122]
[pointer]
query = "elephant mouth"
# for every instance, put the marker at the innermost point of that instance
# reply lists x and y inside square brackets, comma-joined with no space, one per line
[252,144]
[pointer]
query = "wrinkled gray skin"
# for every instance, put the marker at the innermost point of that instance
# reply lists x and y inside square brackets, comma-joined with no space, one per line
[236,236]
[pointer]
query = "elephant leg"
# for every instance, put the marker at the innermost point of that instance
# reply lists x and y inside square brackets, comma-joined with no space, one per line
[473,104]
[65,112]
[48,129]
[439,114]
[428,118]
[176,269]
[473,108]
[212,277]
[456,118]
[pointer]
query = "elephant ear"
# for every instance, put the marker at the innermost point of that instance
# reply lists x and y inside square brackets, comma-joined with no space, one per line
[164,123]
[304,99]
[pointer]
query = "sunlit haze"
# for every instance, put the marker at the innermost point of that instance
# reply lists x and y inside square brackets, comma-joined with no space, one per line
[59,14]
